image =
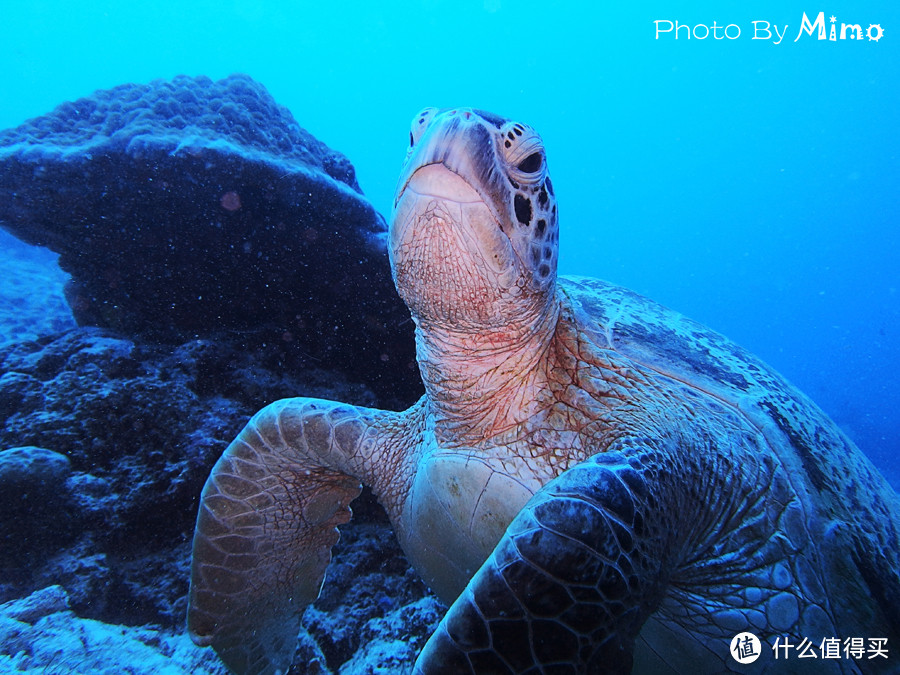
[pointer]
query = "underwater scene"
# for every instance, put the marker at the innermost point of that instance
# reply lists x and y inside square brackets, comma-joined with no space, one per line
[444,337]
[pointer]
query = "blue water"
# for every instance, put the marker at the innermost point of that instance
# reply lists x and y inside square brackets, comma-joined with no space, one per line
[749,185]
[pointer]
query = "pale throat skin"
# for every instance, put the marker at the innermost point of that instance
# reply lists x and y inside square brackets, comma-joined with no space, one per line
[483,325]
[479,277]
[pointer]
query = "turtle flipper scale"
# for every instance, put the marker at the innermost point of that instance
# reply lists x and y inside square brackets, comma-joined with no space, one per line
[268,519]
[569,585]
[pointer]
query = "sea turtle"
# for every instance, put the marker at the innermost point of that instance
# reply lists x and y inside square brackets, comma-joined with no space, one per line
[592,482]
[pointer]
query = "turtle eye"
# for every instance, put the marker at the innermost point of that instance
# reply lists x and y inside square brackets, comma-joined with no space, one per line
[419,124]
[531,164]
[523,152]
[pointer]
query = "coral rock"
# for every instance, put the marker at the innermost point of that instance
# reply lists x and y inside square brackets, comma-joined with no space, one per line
[185,207]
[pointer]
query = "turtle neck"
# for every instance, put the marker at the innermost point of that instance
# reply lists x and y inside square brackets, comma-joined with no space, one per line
[483,381]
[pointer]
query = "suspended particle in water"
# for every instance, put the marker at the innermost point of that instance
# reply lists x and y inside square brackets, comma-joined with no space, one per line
[230,201]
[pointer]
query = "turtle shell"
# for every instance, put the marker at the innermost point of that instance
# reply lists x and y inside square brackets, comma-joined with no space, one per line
[828,471]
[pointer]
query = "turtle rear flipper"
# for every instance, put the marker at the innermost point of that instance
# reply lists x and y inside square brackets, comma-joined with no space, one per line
[268,519]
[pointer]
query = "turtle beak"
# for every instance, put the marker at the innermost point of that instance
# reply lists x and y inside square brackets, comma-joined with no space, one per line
[436,180]
[458,140]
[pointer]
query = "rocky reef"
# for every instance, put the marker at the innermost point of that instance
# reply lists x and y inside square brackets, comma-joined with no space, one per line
[220,258]
[31,292]
[186,207]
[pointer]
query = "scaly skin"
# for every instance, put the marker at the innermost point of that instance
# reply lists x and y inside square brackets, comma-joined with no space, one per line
[591,481]
[268,519]
[683,528]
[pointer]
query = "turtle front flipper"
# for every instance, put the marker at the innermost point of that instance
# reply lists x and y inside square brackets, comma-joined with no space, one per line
[268,519]
[575,576]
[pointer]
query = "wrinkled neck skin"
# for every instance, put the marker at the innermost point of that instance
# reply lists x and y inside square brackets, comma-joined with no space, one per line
[483,381]
[484,322]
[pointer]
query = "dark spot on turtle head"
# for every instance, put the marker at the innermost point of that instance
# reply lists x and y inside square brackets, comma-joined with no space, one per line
[549,186]
[542,197]
[535,256]
[541,226]
[453,126]
[490,118]
[513,183]
[544,271]
[412,141]
[508,144]
[518,129]
[511,136]
[484,142]
[523,209]
[548,253]
[481,144]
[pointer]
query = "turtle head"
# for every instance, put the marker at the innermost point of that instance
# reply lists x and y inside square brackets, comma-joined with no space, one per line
[473,236]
